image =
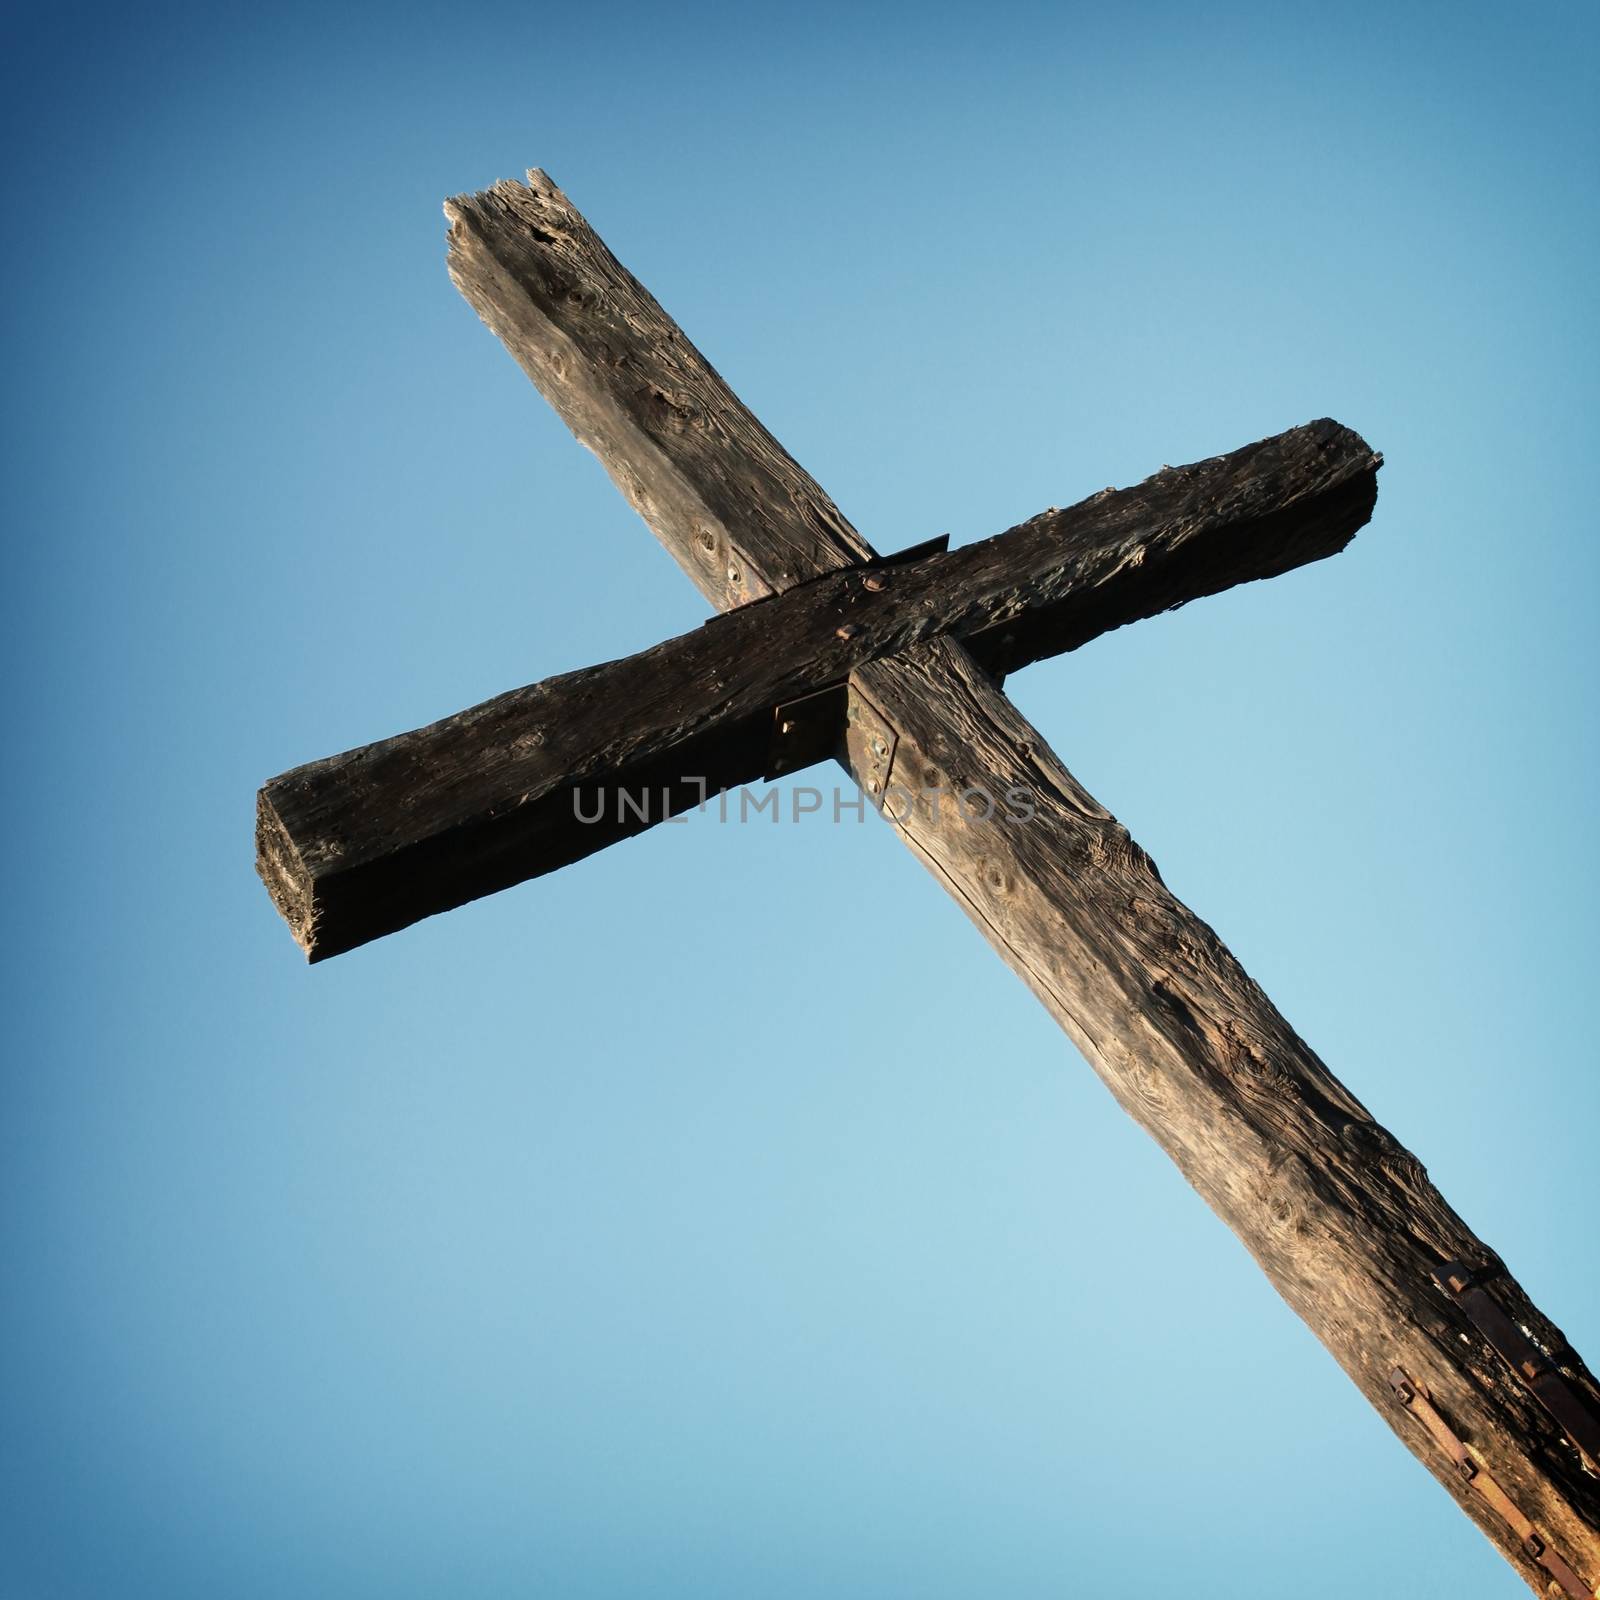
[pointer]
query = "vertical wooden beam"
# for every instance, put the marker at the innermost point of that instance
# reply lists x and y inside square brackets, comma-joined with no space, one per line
[735,510]
[1340,1216]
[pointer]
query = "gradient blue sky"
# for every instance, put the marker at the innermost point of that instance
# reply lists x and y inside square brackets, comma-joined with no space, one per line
[719,1217]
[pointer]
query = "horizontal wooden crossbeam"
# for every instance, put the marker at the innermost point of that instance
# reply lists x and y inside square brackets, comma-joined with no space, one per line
[364,843]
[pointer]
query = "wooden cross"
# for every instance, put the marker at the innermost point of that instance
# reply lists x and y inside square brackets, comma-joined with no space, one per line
[895,665]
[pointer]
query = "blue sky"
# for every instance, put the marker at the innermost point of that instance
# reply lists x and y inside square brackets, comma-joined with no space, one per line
[719,1216]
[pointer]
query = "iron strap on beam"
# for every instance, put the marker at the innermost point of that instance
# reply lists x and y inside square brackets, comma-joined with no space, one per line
[1540,1372]
[1416,1399]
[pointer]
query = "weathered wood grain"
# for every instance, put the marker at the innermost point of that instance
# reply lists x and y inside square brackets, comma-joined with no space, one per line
[725,498]
[1341,1217]
[358,845]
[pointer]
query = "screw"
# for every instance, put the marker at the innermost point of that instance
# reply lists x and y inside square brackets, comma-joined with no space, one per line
[879,748]
[733,575]
[872,785]
[848,631]
[787,727]
[875,582]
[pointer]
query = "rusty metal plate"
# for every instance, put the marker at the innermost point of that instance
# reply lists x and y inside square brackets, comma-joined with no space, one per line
[869,740]
[1537,1370]
[1416,1399]
[805,731]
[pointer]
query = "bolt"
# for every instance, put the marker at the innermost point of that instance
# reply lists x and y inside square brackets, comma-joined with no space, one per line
[848,631]
[787,727]
[875,582]
[734,576]
[879,748]
[1534,1545]
[872,785]
[1467,1467]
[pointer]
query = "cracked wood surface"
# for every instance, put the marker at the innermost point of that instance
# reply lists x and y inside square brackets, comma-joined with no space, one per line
[360,844]
[739,515]
[1339,1215]
[1343,1220]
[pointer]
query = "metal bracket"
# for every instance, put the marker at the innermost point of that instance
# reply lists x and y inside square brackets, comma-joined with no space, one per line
[869,746]
[936,546]
[805,731]
[1537,1370]
[1416,1399]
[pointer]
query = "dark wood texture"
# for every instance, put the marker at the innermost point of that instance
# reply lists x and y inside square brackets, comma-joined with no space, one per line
[738,514]
[363,843]
[1340,1216]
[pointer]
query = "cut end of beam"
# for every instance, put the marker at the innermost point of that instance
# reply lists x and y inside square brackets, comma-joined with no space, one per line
[284,872]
